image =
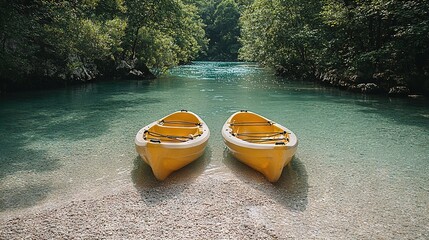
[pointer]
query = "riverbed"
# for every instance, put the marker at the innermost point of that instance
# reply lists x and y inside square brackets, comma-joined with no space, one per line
[68,167]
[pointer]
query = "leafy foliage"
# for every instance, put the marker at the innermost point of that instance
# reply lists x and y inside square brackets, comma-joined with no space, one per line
[283,34]
[66,41]
[222,28]
[381,41]
[357,41]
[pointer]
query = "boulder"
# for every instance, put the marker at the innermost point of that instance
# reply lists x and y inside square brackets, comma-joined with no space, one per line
[416,96]
[331,78]
[353,88]
[368,87]
[125,70]
[84,73]
[399,91]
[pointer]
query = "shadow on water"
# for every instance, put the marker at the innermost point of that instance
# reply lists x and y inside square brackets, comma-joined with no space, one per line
[404,111]
[18,154]
[16,191]
[32,121]
[27,160]
[23,197]
[411,112]
[96,117]
[73,114]
[153,191]
[29,125]
[290,190]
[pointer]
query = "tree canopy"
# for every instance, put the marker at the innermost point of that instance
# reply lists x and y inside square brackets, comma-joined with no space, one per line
[383,42]
[64,41]
[222,28]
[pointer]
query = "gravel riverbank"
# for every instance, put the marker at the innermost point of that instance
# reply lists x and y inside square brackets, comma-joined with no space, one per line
[226,205]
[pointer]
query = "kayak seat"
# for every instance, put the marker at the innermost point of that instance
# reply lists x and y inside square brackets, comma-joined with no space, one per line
[168,133]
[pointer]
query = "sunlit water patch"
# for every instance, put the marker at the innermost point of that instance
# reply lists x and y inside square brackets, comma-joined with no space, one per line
[79,142]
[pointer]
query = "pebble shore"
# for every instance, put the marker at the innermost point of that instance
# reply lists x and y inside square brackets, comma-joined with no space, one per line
[223,205]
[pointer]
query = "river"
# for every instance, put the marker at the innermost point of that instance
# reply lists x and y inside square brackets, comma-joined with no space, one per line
[355,150]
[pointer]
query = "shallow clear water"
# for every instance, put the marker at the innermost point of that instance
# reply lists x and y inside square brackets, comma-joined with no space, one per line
[79,142]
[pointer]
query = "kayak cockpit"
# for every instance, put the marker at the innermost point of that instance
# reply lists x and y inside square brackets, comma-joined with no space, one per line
[161,133]
[256,129]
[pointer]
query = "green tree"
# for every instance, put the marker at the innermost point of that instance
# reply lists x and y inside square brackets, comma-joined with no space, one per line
[18,48]
[285,35]
[225,40]
[369,41]
[222,28]
[45,41]
[162,34]
[381,41]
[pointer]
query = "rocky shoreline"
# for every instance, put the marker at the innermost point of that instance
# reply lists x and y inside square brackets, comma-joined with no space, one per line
[354,84]
[220,206]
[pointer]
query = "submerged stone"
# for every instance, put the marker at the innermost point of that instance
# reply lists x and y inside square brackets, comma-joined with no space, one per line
[399,91]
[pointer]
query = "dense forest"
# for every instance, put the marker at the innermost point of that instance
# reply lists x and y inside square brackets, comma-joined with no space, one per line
[221,20]
[47,42]
[365,45]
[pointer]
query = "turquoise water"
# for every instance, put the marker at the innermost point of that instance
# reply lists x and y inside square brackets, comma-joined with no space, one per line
[78,142]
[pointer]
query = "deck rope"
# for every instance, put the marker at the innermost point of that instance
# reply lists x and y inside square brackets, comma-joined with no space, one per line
[267,123]
[172,137]
[180,123]
[260,134]
[261,140]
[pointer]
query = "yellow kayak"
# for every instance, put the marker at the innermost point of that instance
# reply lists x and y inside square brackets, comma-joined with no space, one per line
[172,142]
[262,144]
